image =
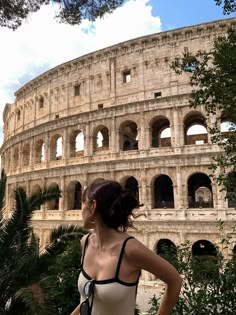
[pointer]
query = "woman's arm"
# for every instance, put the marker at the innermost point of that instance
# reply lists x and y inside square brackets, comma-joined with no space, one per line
[76,310]
[145,259]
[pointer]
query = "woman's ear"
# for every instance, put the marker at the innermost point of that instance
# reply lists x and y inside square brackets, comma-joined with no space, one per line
[93,207]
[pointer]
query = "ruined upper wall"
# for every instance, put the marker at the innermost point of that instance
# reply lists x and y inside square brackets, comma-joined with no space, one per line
[131,71]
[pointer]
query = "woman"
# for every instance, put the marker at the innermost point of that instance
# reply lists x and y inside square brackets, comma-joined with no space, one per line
[112,260]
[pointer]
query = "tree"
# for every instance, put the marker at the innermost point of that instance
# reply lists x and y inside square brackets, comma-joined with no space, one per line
[228,5]
[209,283]
[213,81]
[12,13]
[26,284]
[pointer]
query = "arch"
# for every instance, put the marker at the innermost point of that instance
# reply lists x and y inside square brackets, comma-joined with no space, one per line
[195,130]
[74,195]
[231,189]
[35,189]
[26,154]
[39,151]
[204,260]
[160,132]
[234,250]
[128,136]
[76,145]
[131,184]
[53,204]
[101,138]
[15,158]
[200,191]
[56,147]
[228,130]
[41,102]
[167,250]
[163,195]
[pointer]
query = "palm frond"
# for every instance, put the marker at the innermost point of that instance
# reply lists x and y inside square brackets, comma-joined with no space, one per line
[3,182]
[36,297]
[42,196]
[60,238]
[18,228]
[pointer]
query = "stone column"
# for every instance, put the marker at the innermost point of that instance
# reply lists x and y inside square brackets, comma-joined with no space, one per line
[141,133]
[65,145]
[62,199]
[112,146]
[87,141]
[47,150]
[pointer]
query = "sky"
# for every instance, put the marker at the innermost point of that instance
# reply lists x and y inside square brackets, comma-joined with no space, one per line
[42,43]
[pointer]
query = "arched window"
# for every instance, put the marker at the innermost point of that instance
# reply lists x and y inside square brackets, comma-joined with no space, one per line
[163,192]
[195,131]
[131,184]
[167,250]
[36,189]
[16,158]
[26,154]
[129,136]
[53,204]
[56,148]
[161,133]
[39,151]
[101,139]
[204,261]
[74,195]
[76,143]
[231,189]
[200,191]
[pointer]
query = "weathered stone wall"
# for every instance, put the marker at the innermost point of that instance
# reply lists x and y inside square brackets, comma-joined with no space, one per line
[129,95]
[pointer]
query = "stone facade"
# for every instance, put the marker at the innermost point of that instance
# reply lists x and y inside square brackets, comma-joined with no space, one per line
[120,113]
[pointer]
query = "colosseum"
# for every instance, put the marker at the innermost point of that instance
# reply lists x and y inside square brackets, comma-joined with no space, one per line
[121,113]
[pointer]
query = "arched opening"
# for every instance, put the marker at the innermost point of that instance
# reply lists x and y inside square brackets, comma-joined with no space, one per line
[131,184]
[129,136]
[231,189]
[195,131]
[56,148]
[204,260]
[36,189]
[234,250]
[200,191]
[163,192]
[76,143]
[101,139]
[53,204]
[26,154]
[15,158]
[167,250]
[39,151]
[74,195]
[228,131]
[161,133]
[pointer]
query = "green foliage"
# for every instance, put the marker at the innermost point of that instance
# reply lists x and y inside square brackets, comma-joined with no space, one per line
[154,302]
[70,11]
[209,283]
[27,283]
[66,271]
[228,5]
[213,81]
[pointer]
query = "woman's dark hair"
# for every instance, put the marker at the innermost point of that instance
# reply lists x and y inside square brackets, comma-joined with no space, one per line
[114,203]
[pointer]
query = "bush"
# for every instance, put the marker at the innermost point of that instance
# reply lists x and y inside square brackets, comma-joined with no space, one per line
[209,282]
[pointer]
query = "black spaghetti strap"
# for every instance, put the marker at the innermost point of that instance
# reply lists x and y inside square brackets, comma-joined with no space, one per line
[121,256]
[84,249]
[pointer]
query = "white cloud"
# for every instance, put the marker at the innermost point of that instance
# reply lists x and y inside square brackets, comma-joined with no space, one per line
[41,42]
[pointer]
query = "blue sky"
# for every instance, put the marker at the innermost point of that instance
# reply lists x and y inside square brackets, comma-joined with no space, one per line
[41,43]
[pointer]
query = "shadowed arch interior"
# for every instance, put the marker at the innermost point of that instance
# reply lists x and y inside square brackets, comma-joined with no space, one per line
[163,192]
